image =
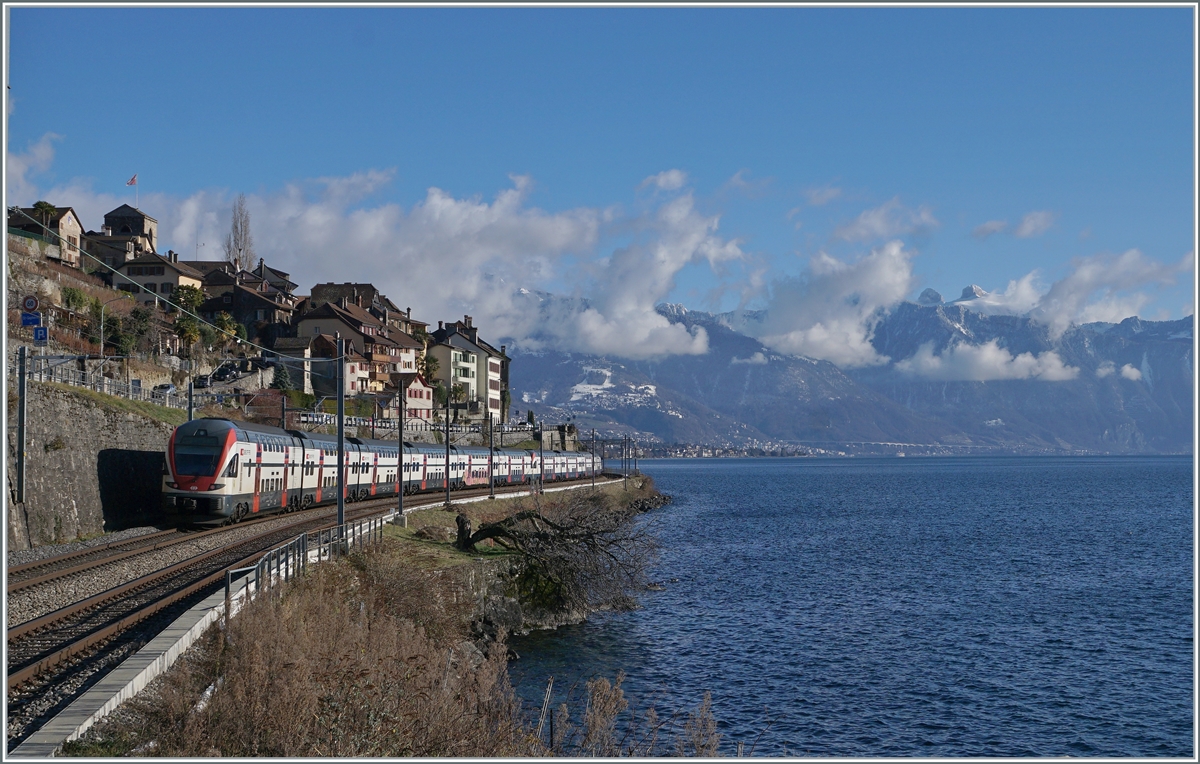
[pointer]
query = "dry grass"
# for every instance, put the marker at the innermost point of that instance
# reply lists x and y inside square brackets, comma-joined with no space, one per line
[371,656]
[364,658]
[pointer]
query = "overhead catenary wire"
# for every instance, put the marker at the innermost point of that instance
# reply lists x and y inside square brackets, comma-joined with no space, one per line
[17,210]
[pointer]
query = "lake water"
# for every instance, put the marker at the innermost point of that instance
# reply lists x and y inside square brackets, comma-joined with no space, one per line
[909,607]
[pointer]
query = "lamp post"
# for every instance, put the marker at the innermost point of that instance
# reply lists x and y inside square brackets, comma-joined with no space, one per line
[341,432]
[447,475]
[541,456]
[402,405]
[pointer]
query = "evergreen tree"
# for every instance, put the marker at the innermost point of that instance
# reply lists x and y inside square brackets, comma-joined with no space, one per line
[283,378]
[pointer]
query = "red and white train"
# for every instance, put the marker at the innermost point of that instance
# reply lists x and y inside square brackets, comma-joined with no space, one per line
[222,470]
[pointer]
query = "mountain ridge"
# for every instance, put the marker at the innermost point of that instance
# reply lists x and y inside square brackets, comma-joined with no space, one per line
[1130,393]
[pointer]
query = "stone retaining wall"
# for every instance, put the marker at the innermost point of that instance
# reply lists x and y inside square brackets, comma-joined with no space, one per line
[88,469]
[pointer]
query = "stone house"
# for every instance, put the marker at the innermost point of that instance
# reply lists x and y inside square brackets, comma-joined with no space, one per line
[151,277]
[418,397]
[65,231]
[275,277]
[465,359]
[127,233]
[323,350]
[294,353]
[266,316]
[387,350]
[370,299]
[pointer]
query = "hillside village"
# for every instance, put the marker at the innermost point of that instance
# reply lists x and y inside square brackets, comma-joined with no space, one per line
[110,297]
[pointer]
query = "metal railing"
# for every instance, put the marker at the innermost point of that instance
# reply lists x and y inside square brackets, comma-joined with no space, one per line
[290,560]
[385,424]
[56,370]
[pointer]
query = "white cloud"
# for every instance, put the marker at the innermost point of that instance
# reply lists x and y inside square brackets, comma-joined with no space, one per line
[984,363]
[667,180]
[1105,369]
[37,158]
[886,221]
[1100,288]
[757,359]
[1035,224]
[832,311]
[1019,297]
[624,288]
[822,195]
[990,228]
[1129,371]
[446,256]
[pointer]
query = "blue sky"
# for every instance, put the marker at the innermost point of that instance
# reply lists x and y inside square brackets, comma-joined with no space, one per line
[713,155]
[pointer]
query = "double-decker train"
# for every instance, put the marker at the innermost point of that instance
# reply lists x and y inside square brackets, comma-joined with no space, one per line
[221,470]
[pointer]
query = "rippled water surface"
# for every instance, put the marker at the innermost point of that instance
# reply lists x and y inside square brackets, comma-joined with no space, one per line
[901,607]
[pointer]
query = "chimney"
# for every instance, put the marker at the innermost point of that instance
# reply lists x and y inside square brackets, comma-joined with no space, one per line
[502,350]
[106,230]
[467,321]
[408,312]
[342,302]
[439,326]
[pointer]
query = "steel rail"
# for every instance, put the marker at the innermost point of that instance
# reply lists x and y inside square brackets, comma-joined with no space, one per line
[144,548]
[61,558]
[43,661]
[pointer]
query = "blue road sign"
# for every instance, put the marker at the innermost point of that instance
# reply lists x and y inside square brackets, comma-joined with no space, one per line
[31,319]
[41,335]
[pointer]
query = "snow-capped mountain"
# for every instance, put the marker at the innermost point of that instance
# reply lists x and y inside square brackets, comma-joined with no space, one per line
[1130,391]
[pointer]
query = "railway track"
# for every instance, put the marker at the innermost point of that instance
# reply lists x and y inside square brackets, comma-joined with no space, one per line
[42,643]
[53,658]
[47,569]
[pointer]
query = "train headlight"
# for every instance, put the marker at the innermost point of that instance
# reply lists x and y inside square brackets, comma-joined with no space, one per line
[172,485]
[216,486]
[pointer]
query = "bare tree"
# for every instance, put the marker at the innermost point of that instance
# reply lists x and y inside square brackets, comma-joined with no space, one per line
[239,244]
[580,553]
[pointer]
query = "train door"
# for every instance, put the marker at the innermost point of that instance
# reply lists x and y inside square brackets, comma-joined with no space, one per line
[257,476]
[283,477]
[374,471]
[320,468]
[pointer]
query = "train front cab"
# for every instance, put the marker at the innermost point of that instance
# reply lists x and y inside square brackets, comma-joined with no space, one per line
[198,468]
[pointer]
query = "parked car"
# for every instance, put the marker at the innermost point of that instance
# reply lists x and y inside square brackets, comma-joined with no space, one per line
[202,381]
[224,374]
[163,390]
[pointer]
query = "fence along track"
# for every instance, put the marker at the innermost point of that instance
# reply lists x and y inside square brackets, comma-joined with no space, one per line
[76,628]
[35,655]
[275,566]
[61,566]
